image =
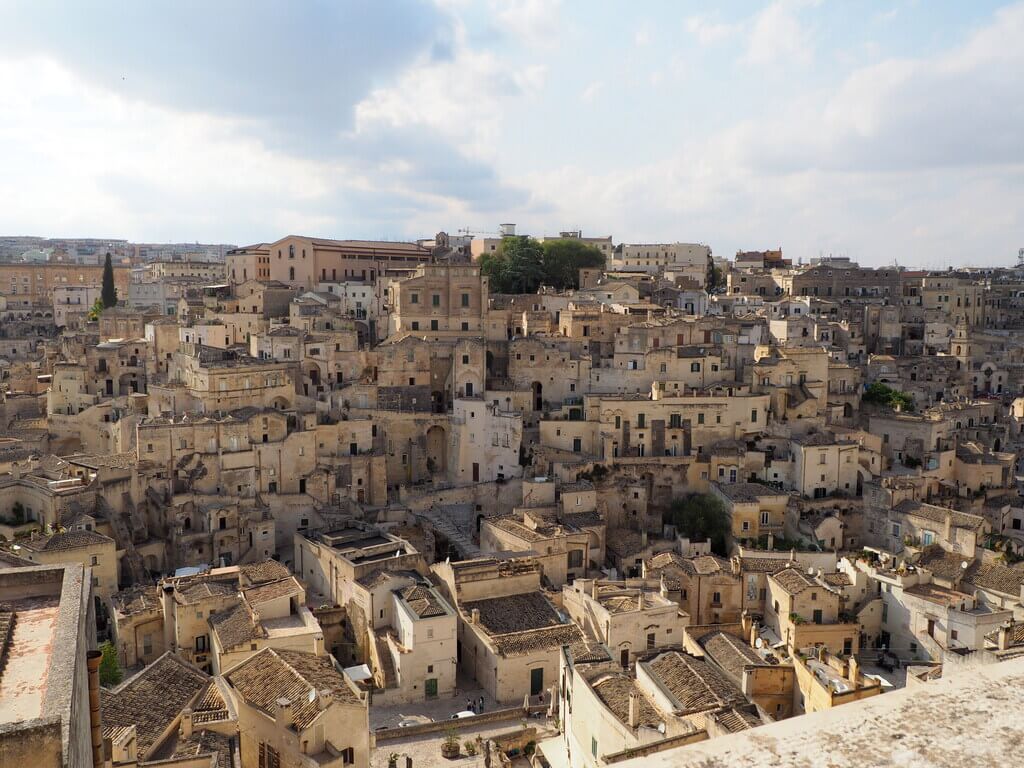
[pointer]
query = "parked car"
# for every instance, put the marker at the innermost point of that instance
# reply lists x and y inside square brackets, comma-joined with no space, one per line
[462,714]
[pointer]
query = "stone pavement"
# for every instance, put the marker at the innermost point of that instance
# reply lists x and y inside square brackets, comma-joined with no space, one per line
[425,749]
[441,708]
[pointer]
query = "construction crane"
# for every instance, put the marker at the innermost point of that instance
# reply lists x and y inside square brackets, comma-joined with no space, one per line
[1020,258]
[504,230]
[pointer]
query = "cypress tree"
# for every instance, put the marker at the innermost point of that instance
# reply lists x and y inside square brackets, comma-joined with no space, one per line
[109,294]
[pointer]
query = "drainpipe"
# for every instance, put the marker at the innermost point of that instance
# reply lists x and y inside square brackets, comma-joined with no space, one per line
[95,717]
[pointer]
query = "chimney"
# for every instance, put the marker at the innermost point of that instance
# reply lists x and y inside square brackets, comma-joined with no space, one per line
[854,672]
[283,712]
[185,728]
[771,541]
[593,589]
[474,616]
[949,526]
[754,634]
[92,661]
[792,555]
[643,539]
[662,586]
[1003,636]
[640,600]
[634,709]
[822,654]
[326,699]
[745,623]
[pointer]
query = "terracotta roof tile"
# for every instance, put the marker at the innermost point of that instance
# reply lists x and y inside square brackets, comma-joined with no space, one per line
[152,699]
[272,674]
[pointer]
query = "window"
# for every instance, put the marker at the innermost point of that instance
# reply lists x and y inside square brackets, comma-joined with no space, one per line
[953,634]
[650,640]
[716,598]
[822,458]
[746,525]
[415,325]
[694,367]
[753,416]
[433,325]
[700,418]
[414,298]
[435,300]
[764,518]
[430,636]
[641,420]
[465,299]
[895,530]
[465,359]
[593,746]
[268,756]
[95,560]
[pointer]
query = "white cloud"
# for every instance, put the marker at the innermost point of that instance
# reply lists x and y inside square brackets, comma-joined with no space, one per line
[535,22]
[778,35]
[915,160]
[710,32]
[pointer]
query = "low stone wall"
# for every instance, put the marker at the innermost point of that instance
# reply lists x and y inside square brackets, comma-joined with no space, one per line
[494,716]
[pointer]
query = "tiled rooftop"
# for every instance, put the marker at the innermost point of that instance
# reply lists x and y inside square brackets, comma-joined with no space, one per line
[423,601]
[271,674]
[614,688]
[730,653]
[694,683]
[152,699]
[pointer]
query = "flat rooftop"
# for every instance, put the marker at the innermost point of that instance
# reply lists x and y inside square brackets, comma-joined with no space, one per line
[26,671]
[970,718]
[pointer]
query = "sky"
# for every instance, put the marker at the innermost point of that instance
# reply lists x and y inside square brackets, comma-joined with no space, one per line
[889,132]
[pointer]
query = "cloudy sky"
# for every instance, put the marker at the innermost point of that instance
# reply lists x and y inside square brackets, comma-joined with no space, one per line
[889,131]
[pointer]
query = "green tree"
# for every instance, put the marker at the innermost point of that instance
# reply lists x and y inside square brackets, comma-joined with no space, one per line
[880,394]
[109,293]
[110,667]
[96,310]
[524,259]
[716,279]
[494,266]
[702,517]
[564,258]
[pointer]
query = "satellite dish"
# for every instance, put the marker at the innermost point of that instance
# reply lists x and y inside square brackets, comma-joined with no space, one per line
[759,643]
[963,565]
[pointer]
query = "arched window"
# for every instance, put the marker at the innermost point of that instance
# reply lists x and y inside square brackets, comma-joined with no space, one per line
[291,273]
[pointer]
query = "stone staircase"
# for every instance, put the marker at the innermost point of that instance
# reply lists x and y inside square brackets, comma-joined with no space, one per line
[386,663]
[459,539]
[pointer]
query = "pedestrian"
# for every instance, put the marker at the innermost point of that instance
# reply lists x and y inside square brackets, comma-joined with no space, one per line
[480,711]
[469,705]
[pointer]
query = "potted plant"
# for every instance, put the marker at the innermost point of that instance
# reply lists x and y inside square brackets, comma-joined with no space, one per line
[393,760]
[470,746]
[450,745]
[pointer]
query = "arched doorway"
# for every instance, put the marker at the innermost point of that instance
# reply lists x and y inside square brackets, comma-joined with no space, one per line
[538,396]
[437,450]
